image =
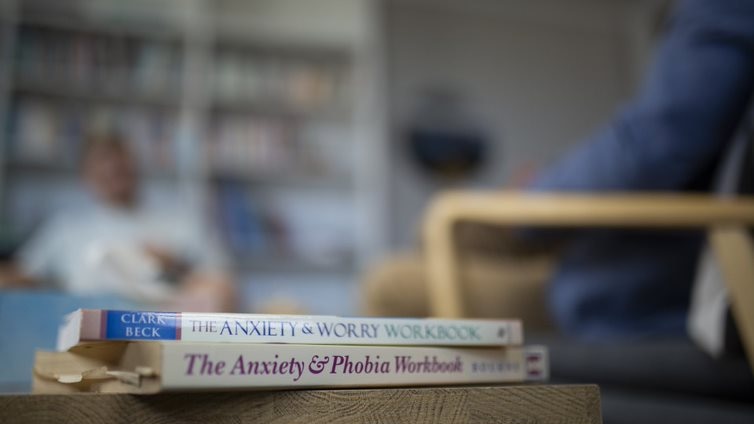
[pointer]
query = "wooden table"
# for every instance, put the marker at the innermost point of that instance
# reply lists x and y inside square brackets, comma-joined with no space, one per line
[497,404]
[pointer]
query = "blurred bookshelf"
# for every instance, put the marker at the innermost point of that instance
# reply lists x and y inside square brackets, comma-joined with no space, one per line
[263,112]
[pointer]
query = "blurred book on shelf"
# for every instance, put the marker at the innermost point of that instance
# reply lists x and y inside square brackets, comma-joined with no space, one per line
[268,237]
[242,224]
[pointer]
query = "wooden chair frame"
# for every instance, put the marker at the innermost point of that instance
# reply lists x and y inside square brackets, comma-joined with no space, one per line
[726,220]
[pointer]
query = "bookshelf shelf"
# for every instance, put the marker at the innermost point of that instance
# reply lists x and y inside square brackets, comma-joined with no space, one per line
[42,170]
[79,23]
[58,171]
[294,180]
[276,108]
[117,92]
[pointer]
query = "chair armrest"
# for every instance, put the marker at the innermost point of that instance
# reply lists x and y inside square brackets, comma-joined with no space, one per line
[608,210]
[581,210]
[521,209]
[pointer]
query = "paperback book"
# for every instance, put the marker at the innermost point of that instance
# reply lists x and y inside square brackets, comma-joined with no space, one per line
[86,325]
[139,367]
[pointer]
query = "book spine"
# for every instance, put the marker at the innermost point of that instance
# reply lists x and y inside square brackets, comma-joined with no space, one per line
[250,328]
[215,366]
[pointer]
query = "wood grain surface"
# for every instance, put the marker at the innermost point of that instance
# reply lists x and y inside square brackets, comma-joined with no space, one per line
[529,404]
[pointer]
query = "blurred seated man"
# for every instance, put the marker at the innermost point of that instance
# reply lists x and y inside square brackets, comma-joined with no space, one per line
[613,284]
[121,245]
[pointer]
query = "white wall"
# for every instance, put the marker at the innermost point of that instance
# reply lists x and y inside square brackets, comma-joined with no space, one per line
[540,74]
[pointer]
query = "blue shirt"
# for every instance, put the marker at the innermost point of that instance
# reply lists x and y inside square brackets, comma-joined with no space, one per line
[669,138]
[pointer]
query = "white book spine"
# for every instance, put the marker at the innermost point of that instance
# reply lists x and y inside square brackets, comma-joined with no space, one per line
[188,366]
[99,325]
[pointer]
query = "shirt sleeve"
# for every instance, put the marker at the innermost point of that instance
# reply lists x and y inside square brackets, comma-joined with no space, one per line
[687,111]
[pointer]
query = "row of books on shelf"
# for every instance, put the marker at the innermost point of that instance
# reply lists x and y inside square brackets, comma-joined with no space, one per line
[51,58]
[247,229]
[46,133]
[243,145]
[150,352]
[300,85]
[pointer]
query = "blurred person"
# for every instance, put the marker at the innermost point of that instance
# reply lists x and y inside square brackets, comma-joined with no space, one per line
[671,137]
[612,284]
[120,244]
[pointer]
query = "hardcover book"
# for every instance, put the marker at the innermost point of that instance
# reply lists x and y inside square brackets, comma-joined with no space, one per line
[139,367]
[86,325]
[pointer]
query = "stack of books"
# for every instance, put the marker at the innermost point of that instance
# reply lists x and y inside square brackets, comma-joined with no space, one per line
[151,352]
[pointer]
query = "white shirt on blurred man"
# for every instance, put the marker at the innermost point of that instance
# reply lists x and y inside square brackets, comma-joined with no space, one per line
[121,244]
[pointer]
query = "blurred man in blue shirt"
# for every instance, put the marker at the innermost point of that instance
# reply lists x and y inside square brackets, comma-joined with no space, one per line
[671,137]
